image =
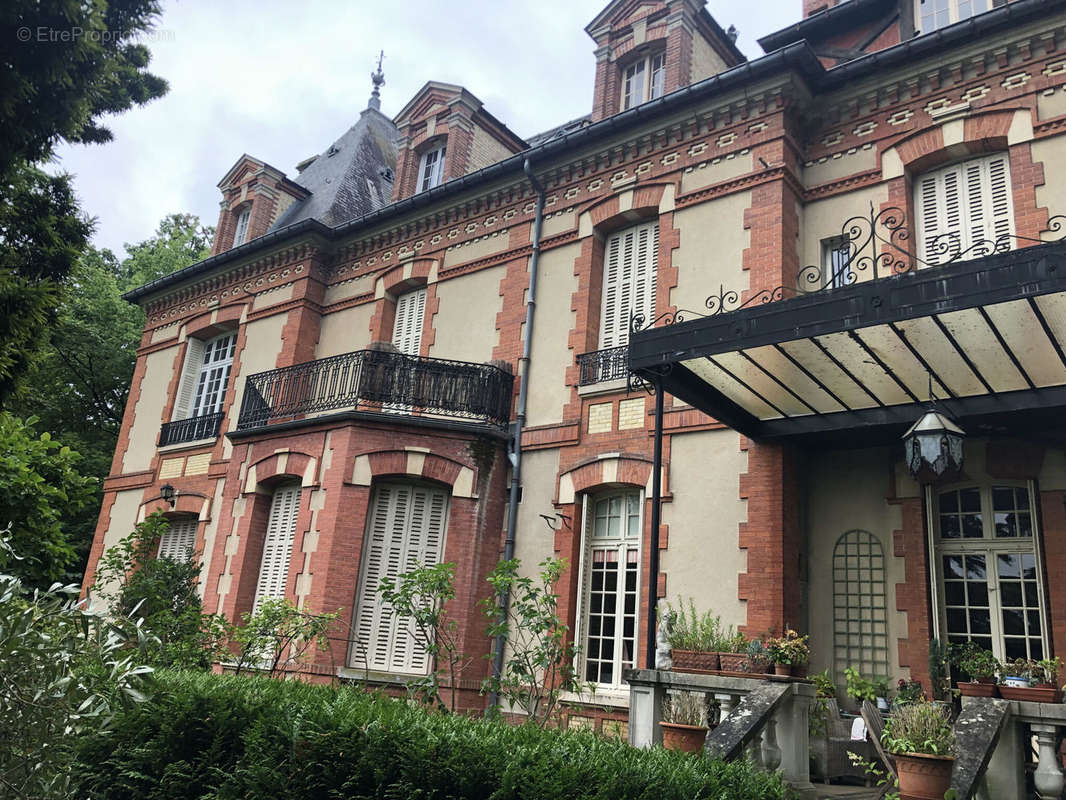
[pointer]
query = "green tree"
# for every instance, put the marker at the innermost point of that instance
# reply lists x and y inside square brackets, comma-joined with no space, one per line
[277,637]
[180,240]
[42,486]
[65,65]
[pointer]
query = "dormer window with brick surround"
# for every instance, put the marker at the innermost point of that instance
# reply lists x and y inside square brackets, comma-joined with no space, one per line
[244,217]
[932,15]
[644,80]
[431,168]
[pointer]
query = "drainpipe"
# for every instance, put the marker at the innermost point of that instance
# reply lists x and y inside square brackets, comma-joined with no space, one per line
[515,452]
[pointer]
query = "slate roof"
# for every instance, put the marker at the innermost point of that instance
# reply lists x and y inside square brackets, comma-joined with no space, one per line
[351,178]
[558,130]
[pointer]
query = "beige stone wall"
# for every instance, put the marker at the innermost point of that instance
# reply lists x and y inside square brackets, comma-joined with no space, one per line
[846,491]
[840,165]
[260,354]
[555,223]
[122,520]
[1051,105]
[344,331]
[364,284]
[533,541]
[272,297]
[465,323]
[704,559]
[209,538]
[705,62]
[485,150]
[1051,153]
[473,250]
[551,354]
[716,170]
[149,414]
[823,219]
[713,240]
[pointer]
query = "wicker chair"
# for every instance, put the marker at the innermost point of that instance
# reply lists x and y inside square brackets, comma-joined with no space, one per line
[830,750]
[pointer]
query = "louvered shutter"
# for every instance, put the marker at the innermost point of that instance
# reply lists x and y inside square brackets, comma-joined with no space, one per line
[407,328]
[405,530]
[190,373]
[629,280]
[178,542]
[965,208]
[277,547]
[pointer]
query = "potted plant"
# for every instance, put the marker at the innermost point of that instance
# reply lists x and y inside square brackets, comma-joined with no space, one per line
[880,685]
[789,653]
[1033,681]
[981,667]
[684,722]
[696,639]
[734,653]
[757,659]
[858,688]
[922,740]
[908,691]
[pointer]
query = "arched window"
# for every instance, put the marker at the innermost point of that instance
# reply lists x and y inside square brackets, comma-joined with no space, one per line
[860,617]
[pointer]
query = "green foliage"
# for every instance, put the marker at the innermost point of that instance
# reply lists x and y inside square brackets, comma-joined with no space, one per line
[63,672]
[179,241]
[78,63]
[859,688]
[418,597]
[938,669]
[921,727]
[824,684]
[974,660]
[42,487]
[788,649]
[691,630]
[278,636]
[224,738]
[909,692]
[162,593]
[541,659]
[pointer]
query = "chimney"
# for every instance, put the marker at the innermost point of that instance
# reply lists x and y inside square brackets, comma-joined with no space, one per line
[814,6]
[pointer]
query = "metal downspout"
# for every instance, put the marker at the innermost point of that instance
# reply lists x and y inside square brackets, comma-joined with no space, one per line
[515,452]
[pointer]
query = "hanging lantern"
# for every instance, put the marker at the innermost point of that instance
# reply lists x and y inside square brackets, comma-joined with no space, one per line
[933,447]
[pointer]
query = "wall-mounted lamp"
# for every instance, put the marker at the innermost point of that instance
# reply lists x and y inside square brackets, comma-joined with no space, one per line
[169,493]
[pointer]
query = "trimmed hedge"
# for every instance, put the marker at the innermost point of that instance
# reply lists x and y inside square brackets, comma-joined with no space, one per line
[226,738]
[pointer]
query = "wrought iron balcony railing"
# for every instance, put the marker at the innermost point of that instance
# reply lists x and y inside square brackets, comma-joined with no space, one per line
[190,430]
[375,380]
[603,365]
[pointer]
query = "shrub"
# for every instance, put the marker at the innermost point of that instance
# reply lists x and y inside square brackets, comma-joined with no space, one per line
[226,737]
[974,660]
[921,727]
[691,630]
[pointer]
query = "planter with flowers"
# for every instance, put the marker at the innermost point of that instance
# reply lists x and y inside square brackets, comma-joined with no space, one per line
[921,738]
[1033,681]
[734,655]
[980,666]
[696,639]
[789,653]
[684,722]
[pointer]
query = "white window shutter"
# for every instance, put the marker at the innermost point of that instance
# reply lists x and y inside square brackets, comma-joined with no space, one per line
[1000,203]
[277,546]
[178,542]
[405,530]
[407,327]
[190,373]
[630,264]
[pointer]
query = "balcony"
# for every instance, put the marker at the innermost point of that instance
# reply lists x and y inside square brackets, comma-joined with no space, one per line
[190,430]
[603,365]
[382,382]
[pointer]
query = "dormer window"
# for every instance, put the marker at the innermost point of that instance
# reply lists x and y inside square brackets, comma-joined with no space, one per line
[431,169]
[935,14]
[241,235]
[644,80]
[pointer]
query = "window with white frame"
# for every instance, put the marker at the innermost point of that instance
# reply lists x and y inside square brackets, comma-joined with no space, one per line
[644,80]
[277,545]
[988,571]
[630,260]
[178,541]
[610,577]
[431,168]
[205,376]
[243,219]
[405,529]
[931,15]
[964,208]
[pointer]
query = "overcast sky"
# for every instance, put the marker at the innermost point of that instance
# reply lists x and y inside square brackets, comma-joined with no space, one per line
[281,81]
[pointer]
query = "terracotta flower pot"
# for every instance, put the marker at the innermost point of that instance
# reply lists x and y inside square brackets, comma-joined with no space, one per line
[783,669]
[686,738]
[799,670]
[733,662]
[924,777]
[978,689]
[697,661]
[1032,694]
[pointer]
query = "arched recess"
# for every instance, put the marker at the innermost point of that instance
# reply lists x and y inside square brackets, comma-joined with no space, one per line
[270,469]
[622,468]
[414,463]
[860,606]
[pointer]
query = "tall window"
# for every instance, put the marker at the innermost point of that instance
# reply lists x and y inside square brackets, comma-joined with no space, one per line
[431,169]
[609,593]
[836,269]
[963,206]
[405,529]
[241,234]
[179,540]
[990,587]
[407,326]
[277,546]
[644,80]
[629,266]
[934,14]
[860,622]
[205,376]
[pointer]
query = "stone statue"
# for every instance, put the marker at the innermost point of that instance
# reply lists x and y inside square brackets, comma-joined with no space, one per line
[662,641]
